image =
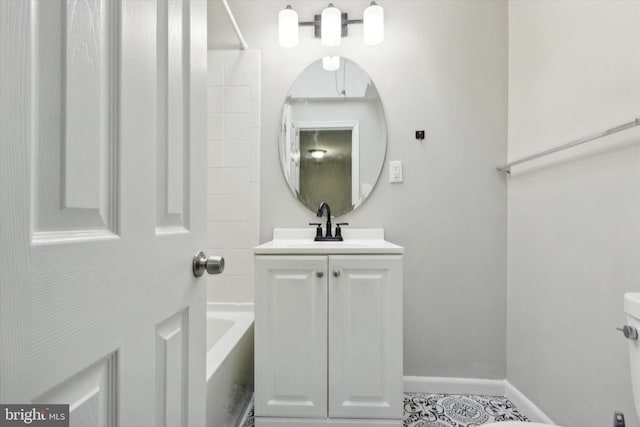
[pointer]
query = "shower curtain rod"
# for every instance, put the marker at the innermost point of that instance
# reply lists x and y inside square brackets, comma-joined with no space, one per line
[507,167]
[243,43]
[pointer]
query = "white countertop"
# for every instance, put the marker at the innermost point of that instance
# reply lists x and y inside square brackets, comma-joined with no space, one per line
[299,241]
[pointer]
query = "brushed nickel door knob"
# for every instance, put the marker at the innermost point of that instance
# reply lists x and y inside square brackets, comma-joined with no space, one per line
[202,263]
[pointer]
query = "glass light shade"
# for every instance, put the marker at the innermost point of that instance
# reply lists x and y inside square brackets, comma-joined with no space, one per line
[331,63]
[318,153]
[331,26]
[373,24]
[288,27]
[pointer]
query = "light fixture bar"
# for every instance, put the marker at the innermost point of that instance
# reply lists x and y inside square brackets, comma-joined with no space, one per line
[318,28]
[373,21]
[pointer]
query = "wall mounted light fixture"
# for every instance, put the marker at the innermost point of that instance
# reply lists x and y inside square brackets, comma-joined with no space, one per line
[331,25]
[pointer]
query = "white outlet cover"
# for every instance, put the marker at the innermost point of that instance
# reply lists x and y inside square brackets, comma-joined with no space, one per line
[395,171]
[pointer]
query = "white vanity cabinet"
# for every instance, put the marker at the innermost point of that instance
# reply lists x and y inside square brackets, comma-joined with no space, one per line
[328,338]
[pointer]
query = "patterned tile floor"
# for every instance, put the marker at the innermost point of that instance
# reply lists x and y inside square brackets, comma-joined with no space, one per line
[445,410]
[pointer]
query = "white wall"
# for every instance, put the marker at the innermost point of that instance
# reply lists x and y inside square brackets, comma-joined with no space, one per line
[233,174]
[442,67]
[574,219]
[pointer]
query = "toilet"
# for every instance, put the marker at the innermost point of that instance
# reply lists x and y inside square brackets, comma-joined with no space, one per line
[632,308]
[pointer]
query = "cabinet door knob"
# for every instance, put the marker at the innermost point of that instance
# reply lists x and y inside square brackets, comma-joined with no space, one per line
[319,274]
[336,273]
[629,332]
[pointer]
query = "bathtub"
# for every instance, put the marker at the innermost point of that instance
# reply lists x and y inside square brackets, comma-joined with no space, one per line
[229,362]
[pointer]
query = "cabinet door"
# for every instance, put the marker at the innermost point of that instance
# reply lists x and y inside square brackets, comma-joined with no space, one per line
[291,336]
[365,336]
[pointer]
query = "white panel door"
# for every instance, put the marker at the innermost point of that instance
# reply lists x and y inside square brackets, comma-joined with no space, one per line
[102,207]
[291,336]
[365,336]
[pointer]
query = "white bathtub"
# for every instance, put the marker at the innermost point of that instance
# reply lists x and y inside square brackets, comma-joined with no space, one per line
[229,362]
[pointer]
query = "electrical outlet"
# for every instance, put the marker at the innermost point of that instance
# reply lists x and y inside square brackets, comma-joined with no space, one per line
[395,171]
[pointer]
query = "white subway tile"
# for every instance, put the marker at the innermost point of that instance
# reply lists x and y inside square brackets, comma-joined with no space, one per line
[215,154]
[215,71]
[238,235]
[236,154]
[237,181]
[255,87]
[215,181]
[215,127]
[215,100]
[237,99]
[239,288]
[216,208]
[216,289]
[255,114]
[237,127]
[216,234]
[255,168]
[255,196]
[255,141]
[236,207]
[234,170]
[255,230]
[237,261]
[237,72]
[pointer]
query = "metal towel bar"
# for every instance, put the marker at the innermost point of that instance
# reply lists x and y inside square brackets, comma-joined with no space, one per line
[507,167]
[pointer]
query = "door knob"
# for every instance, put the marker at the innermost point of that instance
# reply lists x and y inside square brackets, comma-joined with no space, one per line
[336,273]
[212,264]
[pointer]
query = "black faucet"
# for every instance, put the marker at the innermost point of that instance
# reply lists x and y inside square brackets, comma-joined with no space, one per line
[324,206]
[328,236]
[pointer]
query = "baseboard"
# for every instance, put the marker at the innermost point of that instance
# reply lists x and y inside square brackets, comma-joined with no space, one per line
[450,385]
[487,387]
[526,406]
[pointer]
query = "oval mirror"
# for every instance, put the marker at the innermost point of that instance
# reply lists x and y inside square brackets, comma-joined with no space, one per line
[333,135]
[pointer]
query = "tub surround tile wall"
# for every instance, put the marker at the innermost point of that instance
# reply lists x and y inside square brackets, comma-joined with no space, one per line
[233,178]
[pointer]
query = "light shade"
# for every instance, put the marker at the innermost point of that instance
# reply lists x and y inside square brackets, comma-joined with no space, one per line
[373,24]
[331,26]
[331,63]
[288,27]
[317,153]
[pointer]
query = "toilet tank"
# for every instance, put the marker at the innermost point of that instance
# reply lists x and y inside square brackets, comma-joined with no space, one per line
[632,308]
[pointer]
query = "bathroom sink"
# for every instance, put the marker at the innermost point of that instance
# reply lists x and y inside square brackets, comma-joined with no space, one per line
[300,241]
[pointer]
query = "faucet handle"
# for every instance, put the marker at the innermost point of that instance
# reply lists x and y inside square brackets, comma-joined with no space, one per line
[318,228]
[339,230]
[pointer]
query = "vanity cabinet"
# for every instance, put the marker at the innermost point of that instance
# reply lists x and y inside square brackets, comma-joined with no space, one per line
[328,340]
